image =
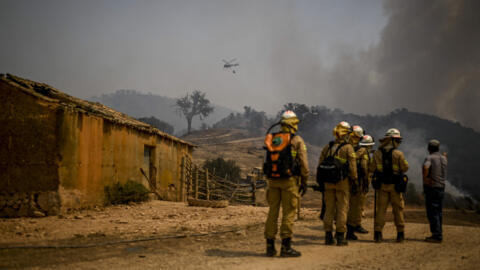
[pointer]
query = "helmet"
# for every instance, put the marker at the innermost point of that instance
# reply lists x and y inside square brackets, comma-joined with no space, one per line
[342,129]
[289,122]
[367,140]
[393,133]
[344,125]
[288,114]
[357,131]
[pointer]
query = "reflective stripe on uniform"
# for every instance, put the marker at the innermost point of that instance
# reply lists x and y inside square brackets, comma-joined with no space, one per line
[342,160]
[395,167]
[294,153]
[379,167]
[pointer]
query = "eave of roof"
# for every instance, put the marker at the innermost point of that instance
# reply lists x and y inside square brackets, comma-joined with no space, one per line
[50,94]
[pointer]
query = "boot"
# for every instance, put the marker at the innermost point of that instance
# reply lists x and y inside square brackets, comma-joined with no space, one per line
[271,251]
[287,250]
[329,241]
[377,237]
[351,233]
[341,241]
[400,237]
[360,229]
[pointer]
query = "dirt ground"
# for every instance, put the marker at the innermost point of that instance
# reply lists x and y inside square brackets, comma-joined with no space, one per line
[168,235]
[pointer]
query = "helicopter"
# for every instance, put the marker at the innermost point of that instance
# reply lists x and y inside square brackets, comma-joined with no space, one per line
[230,64]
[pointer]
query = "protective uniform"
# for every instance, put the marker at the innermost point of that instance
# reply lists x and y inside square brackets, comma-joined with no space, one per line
[357,198]
[284,192]
[337,194]
[386,194]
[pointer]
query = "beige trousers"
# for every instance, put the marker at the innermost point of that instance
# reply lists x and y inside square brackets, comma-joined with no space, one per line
[284,193]
[356,203]
[387,195]
[336,206]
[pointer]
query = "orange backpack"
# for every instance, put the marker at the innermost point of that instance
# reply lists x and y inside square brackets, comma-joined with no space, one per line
[279,162]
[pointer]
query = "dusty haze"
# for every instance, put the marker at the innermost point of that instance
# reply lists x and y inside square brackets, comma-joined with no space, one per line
[361,56]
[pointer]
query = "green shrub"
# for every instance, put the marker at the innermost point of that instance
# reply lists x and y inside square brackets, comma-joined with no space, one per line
[124,193]
[223,168]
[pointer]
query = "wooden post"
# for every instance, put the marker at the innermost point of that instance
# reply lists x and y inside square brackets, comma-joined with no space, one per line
[206,184]
[254,190]
[196,182]
[182,179]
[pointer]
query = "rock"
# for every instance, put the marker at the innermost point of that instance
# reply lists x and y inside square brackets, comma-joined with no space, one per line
[48,200]
[78,217]
[38,214]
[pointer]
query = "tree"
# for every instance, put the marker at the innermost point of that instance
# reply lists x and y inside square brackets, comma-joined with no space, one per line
[192,105]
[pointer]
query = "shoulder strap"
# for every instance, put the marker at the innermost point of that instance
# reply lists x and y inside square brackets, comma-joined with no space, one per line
[338,148]
[274,125]
[330,145]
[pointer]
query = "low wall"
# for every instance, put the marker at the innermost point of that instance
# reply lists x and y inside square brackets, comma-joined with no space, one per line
[24,204]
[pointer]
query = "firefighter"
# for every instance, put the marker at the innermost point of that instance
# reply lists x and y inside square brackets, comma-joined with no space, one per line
[389,165]
[285,191]
[357,202]
[357,192]
[337,164]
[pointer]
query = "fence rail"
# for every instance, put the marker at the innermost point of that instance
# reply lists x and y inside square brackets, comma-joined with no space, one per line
[204,185]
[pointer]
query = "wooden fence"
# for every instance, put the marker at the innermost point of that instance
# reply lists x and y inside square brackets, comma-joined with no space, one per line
[204,185]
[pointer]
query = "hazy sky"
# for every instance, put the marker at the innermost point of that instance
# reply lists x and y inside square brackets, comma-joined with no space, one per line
[335,53]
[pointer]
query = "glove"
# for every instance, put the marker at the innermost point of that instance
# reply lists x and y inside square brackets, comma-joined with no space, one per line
[302,189]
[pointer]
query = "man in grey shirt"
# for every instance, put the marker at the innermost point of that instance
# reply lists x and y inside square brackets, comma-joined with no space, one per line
[434,177]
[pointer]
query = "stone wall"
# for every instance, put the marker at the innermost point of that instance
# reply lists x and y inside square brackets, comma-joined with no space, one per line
[23,204]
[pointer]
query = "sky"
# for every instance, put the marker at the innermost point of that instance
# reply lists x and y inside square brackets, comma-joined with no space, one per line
[368,56]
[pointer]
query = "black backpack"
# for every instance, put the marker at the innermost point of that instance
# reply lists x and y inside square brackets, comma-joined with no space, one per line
[387,176]
[331,170]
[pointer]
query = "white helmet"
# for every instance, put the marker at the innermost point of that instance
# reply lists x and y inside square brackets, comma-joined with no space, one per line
[358,131]
[344,125]
[393,133]
[288,114]
[367,140]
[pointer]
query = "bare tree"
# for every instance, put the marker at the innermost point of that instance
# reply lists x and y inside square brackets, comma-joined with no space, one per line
[194,104]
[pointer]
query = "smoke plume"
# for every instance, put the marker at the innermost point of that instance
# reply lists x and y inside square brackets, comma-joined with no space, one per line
[427,60]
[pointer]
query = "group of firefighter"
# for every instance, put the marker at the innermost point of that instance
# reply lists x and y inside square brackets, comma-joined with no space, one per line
[345,170]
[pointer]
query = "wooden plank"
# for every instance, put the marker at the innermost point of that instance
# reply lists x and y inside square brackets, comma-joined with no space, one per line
[206,184]
[196,182]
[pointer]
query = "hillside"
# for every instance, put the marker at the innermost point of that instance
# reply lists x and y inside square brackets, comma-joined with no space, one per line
[238,145]
[138,105]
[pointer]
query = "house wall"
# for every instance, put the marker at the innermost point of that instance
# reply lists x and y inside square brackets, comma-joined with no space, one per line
[55,157]
[95,153]
[28,160]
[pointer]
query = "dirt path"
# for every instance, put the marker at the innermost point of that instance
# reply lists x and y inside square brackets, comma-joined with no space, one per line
[242,247]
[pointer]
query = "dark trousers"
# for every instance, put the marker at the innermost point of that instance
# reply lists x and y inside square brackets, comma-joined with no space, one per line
[434,205]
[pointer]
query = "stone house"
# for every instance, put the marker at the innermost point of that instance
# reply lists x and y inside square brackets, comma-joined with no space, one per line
[58,152]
